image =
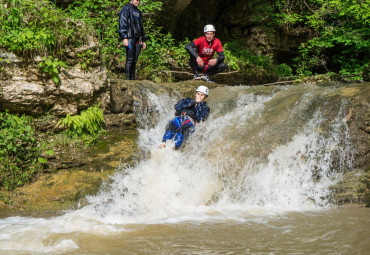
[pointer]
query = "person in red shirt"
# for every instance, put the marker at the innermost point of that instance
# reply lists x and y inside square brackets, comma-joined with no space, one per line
[201,53]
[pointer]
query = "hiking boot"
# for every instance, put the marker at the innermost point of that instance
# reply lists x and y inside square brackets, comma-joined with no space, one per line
[197,77]
[206,78]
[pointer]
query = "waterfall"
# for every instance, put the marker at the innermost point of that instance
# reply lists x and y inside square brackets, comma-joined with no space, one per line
[228,162]
[258,154]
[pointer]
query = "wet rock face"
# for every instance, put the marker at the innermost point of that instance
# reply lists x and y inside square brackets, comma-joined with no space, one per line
[25,89]
[121,101]
[353,189]
[355,185]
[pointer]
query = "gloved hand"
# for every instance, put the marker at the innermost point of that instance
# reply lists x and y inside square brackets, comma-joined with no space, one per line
[189,103]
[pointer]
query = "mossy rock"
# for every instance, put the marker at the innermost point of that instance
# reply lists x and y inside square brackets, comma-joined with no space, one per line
[66,187]
[321,79]
[353,189]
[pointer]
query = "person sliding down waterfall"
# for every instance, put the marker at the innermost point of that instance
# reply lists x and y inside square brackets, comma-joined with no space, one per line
[201,53]
[189,112]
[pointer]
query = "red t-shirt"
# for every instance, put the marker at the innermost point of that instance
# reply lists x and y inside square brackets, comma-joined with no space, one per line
[206,49]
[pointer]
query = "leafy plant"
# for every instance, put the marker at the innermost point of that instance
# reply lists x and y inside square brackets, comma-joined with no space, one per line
[2,66]
[86,126]
[32,27]
[163,53]
[341,31]
[43,160]
[18,151]
[238,57]
[283,70]
[52,66]
[85,59]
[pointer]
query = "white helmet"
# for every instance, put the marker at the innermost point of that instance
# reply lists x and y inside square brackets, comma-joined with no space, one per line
[203,89]
[209,28]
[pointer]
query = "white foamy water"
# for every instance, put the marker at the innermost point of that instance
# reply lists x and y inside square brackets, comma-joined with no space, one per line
[215,177]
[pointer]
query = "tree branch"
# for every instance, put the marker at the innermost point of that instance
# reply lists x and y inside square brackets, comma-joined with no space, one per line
[188,73]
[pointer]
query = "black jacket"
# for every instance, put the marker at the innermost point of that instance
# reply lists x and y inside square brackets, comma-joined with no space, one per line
[198,113]
[131,23]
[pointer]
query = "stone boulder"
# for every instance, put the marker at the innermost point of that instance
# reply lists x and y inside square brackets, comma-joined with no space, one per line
[121,101]
[25,89]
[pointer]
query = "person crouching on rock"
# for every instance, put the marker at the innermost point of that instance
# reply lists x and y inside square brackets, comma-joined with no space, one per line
[201,53]
[189,112]
[131,31]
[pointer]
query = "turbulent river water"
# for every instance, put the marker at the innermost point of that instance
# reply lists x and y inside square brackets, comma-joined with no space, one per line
[253,179]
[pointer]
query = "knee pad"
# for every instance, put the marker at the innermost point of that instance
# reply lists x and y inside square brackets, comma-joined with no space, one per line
[167,136]
[221,67]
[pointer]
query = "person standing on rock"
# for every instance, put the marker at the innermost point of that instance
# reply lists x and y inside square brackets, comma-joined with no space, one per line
[189,112]
[131,31]
[201,53]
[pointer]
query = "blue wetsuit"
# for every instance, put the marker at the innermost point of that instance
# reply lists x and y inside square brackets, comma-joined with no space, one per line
[188,113]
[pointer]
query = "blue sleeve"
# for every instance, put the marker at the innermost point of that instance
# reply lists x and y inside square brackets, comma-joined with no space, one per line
[123,23]
[184,103]
[202,111]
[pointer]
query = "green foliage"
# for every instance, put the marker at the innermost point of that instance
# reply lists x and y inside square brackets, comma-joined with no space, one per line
[283,70]
[238,57]
[2,64]
[85,59]
[103,16]
[52,66]
[162,53]
[18,151]
[86,126]
[32,27]
[341,31]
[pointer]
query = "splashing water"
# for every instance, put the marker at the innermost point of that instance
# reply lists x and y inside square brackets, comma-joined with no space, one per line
[254,156]
[209,176]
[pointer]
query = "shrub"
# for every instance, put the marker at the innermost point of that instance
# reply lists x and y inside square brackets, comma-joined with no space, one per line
[163,53]
[340,28]
[240,58]
[103,16]
[31,27]
[18,151]
[86,126]
[52,66]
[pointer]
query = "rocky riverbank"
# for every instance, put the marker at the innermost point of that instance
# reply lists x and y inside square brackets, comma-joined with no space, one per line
[73,171]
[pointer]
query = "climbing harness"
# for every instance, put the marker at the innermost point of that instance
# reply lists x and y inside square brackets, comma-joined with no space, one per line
[186,119]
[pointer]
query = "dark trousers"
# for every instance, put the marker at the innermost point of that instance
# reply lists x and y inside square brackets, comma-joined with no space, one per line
[132,55]
[218,68]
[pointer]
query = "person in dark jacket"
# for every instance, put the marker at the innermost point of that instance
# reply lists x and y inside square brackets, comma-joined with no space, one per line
[201,53]
[189,112]
[131,31]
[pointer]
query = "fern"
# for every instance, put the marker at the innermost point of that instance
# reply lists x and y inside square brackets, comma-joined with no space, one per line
[87,126]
